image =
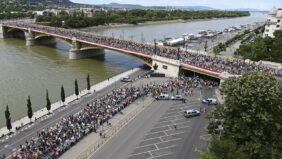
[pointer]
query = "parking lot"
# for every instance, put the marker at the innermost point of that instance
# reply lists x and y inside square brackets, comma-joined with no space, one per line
[167,136]
[152,134]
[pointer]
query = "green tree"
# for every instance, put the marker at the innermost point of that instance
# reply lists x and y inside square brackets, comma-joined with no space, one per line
[223,149]
[252,114]
[29,109]
[63,96]
[88,82]
[76,88]
[48,102]
[8,118]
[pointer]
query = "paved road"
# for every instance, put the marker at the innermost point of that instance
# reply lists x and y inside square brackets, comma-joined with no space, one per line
[26,134]
[152,135]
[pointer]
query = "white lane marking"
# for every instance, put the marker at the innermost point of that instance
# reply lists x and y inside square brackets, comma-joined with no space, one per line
[162,155]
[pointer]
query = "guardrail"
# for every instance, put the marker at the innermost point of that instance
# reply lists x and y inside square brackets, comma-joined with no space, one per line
[111,132]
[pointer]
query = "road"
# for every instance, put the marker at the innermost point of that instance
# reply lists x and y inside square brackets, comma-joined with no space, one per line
[14,142]
[151,135]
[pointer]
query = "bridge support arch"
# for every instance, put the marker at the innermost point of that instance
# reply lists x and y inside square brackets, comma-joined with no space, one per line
[78,52]
[169,67]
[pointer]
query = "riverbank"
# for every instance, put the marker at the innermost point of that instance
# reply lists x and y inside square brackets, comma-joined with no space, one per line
[119,25]
[42,114]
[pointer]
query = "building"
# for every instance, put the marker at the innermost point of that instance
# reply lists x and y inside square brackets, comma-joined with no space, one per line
[273,23]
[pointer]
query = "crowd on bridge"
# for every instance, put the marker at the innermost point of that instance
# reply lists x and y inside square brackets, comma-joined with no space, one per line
[215,64]
[52,142]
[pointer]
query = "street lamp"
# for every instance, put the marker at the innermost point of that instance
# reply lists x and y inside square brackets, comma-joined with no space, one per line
[155,46]
[206,45]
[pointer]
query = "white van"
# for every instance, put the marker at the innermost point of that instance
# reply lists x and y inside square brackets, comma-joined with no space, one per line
[126,79]
[163,96]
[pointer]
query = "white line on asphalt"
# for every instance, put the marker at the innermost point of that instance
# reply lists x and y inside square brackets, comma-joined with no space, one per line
[157,143]
[173,134]
[162,155]
[139,153]
[153,138]
[160,127]
[167,120]
[171,146]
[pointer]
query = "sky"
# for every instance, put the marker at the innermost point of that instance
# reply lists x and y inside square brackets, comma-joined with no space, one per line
[220,4]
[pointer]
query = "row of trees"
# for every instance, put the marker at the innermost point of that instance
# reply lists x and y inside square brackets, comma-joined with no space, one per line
[244,37]
[48,102]
[249,123]
[222,46]
[134,16]
[263,49]
[9,15]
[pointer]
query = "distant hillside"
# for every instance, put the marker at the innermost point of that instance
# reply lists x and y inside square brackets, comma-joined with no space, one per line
[50,2]
[120,6]
[136,6]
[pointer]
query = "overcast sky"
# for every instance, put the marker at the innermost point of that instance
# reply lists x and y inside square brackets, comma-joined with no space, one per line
[221,4]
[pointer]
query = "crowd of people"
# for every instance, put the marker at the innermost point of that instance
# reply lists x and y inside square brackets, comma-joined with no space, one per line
[216,64]
[54,141]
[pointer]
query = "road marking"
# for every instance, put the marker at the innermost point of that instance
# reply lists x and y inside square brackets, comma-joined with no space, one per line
[157,143]
[162,155]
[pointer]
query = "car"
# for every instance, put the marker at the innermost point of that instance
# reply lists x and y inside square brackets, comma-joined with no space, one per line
[163,96]
[191,113]
[126,79]
[176,97]
[210,101]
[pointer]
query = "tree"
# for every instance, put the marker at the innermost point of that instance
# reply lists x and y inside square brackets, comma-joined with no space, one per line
[88,82]
[155,66]
[48,102]
[76,88]
[252,114]
[8,118]
[223,149]
[63,97]
[29,109]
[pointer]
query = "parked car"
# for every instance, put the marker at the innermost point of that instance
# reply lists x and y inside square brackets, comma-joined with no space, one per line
[163,96]
[191,113]
[176,97]
[210,101]
[126,79]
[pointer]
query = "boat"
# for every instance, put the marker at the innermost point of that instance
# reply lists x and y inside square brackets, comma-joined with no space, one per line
[174,42]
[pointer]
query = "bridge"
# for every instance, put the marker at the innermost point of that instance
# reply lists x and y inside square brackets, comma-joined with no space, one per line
[84,44]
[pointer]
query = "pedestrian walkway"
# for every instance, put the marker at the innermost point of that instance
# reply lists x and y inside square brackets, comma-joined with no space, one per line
[93,142]
[55,106]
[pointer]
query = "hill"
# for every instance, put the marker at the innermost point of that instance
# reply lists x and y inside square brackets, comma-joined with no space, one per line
[137,6]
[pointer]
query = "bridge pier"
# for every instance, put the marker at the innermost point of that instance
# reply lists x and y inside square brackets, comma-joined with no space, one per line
[29,38]
[166,66]
[76,52]
[3,31]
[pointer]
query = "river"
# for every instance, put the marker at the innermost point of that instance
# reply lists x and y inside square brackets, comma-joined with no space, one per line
[31,70]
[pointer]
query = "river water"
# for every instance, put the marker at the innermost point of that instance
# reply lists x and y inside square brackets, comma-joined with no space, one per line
[31,70]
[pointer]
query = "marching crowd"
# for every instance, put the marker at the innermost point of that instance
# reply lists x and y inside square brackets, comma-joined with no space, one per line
[54,141]
[216,64]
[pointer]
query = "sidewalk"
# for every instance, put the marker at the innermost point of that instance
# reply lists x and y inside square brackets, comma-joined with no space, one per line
[57,106]
[93,142]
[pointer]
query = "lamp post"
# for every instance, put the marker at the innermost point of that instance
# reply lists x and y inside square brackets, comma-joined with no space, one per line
[155,46]
[206,45]
[184,42]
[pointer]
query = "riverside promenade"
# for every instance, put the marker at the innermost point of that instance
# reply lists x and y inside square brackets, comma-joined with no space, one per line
[10,143]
